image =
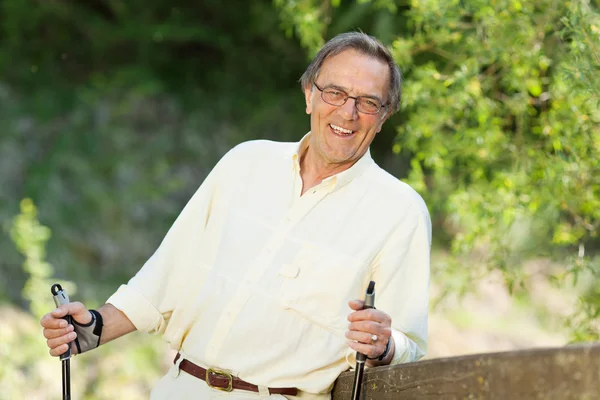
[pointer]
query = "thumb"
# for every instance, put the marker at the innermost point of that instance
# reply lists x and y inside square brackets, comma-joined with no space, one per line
[356,304]
[76,309]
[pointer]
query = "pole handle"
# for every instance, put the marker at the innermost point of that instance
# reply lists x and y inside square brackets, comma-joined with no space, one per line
[369,303]
[60,298]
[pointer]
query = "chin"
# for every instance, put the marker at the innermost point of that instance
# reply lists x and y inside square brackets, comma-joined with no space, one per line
[340,158]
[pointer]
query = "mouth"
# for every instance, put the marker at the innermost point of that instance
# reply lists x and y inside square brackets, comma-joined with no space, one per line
[338,130]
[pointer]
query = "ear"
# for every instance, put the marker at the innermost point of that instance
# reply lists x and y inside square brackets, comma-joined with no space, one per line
[308,92]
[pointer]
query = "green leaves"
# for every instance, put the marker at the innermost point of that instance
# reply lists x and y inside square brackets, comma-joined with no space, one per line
[307,19]
[515,137]
[498,129]
[501,118]
[30,238]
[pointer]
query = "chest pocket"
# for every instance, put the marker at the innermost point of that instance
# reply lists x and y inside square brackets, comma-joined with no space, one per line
[318,284]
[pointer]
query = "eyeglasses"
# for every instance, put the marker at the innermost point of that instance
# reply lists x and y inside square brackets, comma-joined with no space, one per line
[364,104]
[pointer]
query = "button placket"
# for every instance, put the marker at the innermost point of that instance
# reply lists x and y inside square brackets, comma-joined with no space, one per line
[298,210]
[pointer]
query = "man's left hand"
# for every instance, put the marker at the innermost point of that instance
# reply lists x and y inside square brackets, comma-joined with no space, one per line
[369,332]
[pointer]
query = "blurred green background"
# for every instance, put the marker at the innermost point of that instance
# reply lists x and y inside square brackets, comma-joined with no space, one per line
[113,112]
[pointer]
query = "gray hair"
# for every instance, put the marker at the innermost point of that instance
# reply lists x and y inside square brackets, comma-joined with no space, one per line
[365,44]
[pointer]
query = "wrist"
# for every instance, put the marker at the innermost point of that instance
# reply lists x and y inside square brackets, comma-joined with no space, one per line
[386,351]
[384,358]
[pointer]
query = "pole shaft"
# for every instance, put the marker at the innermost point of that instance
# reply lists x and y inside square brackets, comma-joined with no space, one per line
[358,377]
[66,379]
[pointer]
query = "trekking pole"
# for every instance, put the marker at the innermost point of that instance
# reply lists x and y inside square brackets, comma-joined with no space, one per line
[60,297]
[362,358]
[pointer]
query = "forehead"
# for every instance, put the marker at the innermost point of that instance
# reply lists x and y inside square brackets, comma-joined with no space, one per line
[356,72]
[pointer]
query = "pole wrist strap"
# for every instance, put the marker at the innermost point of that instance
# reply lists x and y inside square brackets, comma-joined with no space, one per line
[385,352]
[88,335]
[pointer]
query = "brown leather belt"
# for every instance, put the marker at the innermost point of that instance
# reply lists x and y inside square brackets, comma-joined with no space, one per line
[222,380]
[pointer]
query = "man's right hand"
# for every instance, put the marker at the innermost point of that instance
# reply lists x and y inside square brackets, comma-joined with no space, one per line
[58,332]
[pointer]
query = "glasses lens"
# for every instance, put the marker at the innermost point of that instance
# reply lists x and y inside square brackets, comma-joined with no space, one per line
[368,105]
[334,97]
[365,105]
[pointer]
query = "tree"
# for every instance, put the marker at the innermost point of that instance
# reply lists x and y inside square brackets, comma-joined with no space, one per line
[501,123]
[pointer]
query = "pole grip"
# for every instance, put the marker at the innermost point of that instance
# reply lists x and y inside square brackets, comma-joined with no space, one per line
[369,303]
[60,298]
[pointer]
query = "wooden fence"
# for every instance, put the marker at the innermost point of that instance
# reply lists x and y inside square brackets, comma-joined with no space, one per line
[565,373]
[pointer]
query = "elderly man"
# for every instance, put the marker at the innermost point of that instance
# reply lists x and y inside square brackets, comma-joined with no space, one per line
[254,283]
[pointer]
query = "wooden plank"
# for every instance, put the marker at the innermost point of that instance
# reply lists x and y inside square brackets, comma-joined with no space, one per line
[564,373]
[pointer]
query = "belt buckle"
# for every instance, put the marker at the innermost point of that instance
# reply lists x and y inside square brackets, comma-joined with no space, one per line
[227,375]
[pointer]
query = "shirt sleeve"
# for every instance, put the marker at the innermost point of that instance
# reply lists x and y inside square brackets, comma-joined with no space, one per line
[402,276]
[150,297]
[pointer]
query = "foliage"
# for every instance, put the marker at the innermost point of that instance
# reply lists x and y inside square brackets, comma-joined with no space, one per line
[308,19]
[110,119]
[58,44]
[501,121]
[111,114]
[509,148]
[26,370]
[582,31]
[111,140]
[30,238]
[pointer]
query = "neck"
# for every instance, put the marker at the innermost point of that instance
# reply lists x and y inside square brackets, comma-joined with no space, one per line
[313,171]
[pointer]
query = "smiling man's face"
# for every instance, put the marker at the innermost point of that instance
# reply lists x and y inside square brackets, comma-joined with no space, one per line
[341,135]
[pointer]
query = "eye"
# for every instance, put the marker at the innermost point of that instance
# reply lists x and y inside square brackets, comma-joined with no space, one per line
[335,93]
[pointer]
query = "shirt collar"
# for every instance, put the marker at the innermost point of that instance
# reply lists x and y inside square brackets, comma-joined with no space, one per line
[338,180]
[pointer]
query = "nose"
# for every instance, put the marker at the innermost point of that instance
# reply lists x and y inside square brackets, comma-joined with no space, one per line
[348,110]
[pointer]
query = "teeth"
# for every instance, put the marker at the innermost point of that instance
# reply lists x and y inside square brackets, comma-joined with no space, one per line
[339,129]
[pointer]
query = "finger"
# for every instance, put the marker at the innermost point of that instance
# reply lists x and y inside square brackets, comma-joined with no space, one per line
[367,349]
[58,351]
[363,337]
[370,314]
[356,304]
[54,333]
[51,322]
[67,309]
[58,341]
[76,309]
[370,327]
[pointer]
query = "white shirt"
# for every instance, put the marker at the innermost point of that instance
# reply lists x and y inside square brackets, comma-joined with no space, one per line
[254,278]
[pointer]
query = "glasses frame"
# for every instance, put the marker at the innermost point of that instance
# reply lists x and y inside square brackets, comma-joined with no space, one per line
[351,97]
